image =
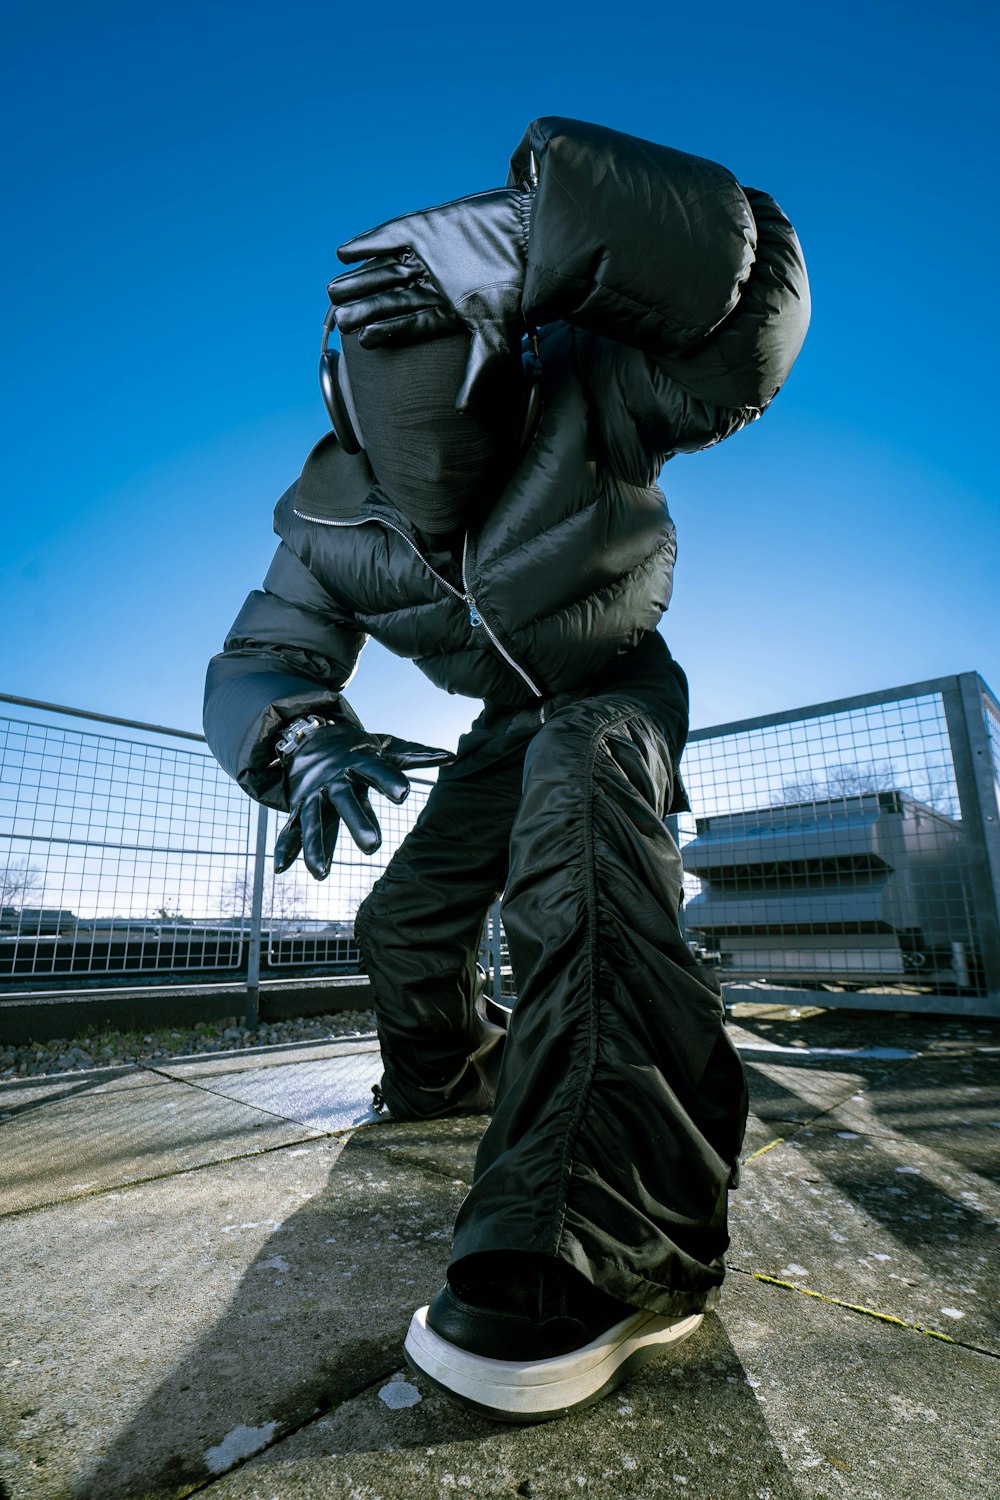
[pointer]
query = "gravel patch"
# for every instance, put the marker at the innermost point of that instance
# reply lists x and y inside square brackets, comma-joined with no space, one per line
[109,1049]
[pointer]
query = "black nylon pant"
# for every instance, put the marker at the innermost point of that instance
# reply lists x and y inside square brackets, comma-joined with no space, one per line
[621,1103]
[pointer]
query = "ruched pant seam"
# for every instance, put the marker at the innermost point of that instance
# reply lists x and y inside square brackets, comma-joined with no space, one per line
[593,969]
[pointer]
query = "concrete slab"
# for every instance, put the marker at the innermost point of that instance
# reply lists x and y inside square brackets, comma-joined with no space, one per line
[334,1093]
[158,1325]
[798,1091]
[19,1091]
[72,1146]
[843,1028]
[884,1414]
[951,1104]
[890,1225]
[210,1064]
[444,1146]
[171,1330]
[860,1408]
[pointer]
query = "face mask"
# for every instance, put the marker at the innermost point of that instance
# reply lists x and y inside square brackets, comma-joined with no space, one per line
[440,468]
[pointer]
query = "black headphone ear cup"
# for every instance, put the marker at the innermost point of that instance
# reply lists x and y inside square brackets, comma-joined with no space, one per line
[333,400]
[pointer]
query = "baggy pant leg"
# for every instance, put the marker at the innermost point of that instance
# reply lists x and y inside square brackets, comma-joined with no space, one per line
[621,1103]
[419,933]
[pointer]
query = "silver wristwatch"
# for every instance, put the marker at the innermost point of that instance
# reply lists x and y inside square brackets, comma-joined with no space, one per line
[295,734]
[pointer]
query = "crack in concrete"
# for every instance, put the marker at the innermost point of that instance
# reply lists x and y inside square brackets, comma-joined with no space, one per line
[204,1088]
[384,1374]
[203,1166]
[778,1141]
[859,1307]
[800,1125]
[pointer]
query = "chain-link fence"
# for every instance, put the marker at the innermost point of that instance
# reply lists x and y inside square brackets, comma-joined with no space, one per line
[848,852]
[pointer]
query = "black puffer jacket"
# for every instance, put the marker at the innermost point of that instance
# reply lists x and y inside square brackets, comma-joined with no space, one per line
[672,303]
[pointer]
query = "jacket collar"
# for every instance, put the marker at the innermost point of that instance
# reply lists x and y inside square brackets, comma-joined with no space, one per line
[333,484]
[339,486]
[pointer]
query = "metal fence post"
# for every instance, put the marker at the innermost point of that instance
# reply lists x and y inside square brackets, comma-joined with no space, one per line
[495,952]
[970,748]
[256,921]
[673,828]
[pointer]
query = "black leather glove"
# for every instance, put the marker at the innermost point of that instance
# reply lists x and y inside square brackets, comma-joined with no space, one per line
[329,778]
[428,274]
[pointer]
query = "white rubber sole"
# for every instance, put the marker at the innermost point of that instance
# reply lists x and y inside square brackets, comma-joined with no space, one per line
[514,1391]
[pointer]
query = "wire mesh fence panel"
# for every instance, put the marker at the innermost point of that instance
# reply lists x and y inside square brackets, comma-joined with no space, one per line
[118,853]
[309,922]
[847,849]
[835,852]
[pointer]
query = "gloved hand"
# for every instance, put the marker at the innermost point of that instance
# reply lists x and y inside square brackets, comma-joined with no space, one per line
[329,778]
[428,274]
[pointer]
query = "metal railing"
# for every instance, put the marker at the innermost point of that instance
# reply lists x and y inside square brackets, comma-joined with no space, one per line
[846,853]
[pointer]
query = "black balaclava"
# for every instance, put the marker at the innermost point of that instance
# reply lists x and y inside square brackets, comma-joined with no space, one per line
[441,468]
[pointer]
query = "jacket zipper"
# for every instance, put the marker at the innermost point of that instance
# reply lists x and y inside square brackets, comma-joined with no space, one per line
[475,618]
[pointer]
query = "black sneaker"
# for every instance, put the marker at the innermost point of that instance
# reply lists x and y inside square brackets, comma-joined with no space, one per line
[536,1344]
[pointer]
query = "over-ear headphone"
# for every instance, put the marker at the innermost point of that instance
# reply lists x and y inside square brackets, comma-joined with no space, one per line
[333,396]
[340,417]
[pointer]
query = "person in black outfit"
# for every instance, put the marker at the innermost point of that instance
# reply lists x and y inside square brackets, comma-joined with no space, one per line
[516,367]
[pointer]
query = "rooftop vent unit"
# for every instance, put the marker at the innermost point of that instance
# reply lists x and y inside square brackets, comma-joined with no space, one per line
[852,891]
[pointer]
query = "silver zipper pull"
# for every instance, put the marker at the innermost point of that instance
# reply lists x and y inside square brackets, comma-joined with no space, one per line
[475,618]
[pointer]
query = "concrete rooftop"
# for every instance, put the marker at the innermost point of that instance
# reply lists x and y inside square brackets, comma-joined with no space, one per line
[209,1266]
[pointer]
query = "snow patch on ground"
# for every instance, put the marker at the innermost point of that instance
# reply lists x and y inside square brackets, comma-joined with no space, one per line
[239,1443]
[399,1394]
[275,1263]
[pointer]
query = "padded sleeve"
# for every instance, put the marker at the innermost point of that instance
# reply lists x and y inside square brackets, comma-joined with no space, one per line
[290,651]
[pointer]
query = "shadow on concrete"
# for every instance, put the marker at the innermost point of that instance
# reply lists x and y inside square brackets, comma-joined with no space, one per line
[883,1191]
[313,1334]
[318,1316]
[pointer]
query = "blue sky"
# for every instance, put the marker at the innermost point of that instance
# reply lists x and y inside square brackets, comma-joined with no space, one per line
[180,176]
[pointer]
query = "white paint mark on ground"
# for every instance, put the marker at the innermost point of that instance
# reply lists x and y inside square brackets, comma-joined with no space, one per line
[399,1394]
[911,1410]
[915,1171]
[953,1312]
[793,1270]
[239,1443]
[275,1263]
